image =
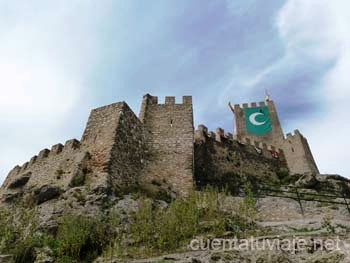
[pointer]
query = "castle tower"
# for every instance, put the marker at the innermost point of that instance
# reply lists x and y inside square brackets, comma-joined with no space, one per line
[114,137]
[298,154]
[260,122]
[271,131]
[169,133]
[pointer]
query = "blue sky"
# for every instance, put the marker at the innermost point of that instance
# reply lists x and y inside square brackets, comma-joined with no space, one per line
[60,59]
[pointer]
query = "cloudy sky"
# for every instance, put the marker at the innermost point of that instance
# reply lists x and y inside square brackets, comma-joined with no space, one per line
[59,59]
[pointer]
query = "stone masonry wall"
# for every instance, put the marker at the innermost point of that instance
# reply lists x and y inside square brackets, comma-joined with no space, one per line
[55,168]
[115,138]
[223,162]
[169,141]
[128,152]
[98,139]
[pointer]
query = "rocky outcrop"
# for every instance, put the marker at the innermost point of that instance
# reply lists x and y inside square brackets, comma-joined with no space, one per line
[47,192]
[274,256]
[20,181]
[307,180]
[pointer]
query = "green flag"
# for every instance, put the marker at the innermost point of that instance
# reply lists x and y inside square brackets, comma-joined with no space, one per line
[257,120]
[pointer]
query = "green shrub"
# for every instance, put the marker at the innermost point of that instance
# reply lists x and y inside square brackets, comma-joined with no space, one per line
[164,230]
[177,223]
[247,208]
[24,250]
[17,234]
[167,229]
[80,237]
[7,231]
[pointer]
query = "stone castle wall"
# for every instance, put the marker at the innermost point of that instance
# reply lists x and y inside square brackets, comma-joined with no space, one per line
[55,168]
[223,162]
[169,142]
[118,151]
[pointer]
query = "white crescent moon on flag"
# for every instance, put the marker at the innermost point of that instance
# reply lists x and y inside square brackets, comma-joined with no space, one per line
[252,119]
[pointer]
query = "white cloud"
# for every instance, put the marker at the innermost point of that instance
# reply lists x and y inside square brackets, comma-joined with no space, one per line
[320,29]
[46,53]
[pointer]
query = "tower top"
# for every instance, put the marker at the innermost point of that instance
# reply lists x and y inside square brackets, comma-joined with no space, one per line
[258,122]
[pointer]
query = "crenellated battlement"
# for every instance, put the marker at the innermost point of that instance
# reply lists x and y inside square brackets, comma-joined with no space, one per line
[56,149]
[260,148]
[169,100]
[43,154]
[15,170]
[251,105]
[222,161]
[69,146]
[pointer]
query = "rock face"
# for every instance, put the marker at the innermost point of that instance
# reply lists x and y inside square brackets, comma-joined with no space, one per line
[20,181]
[47,193]
[307,181]
[244,257]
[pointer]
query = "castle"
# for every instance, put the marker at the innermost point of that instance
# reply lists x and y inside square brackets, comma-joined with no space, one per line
[119,150]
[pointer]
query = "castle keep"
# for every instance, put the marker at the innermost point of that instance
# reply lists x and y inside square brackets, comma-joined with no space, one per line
[120,151]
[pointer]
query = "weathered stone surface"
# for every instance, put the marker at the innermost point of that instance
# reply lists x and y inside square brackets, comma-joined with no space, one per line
[20,181]
[298,154]
[234,256]
[46,193]
[11,197]
[80,172]
[335,183]
[169,142]
[127,205]
[331,257]
[308,180]
[227,163]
